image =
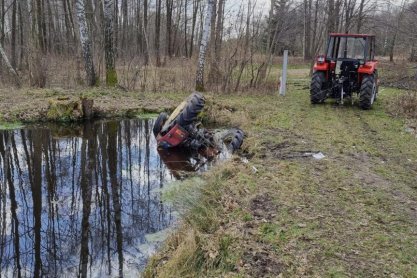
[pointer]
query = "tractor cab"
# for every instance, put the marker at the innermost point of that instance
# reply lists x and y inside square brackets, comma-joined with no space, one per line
[341,71]
[349,52]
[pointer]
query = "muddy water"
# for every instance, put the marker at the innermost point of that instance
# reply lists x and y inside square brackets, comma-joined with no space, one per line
[84,200]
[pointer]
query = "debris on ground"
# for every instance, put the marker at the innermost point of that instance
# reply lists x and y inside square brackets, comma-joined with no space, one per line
[318,156]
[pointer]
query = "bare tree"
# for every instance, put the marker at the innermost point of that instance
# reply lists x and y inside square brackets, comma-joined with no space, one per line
[158,33]
[85,42]
[145,31]
[111,74]
[169,8]
[9,66]
[199,86]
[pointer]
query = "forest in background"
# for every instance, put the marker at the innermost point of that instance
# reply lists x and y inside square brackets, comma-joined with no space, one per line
[153,45]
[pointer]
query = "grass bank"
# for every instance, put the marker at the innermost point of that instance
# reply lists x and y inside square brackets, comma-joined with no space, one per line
[31,105]
[350,214]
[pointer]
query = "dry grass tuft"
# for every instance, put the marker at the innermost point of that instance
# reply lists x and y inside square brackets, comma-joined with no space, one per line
[405,104]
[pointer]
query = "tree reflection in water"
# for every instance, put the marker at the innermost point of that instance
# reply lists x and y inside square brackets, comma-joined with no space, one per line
[81,205]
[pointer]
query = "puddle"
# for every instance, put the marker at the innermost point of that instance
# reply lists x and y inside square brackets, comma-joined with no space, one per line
[85,200]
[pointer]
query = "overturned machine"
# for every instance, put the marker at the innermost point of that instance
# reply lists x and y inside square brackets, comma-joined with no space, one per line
[183,129]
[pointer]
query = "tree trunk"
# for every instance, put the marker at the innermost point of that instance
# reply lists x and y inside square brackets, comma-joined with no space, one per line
[337,16]
[116,27]
[124,26]
[68,27]
[185,28]
[85,42]
[194,21]
[199,86]
[39,16]
[330,18]
[14,35]
[139,33]
[3,22]
[158,33]
[413,52]
[169,6]
[27,40]
[145,31]
[245,47]
[360,17]
[307,29]
[51,29]
[9,66]
[111,74]
[396,29]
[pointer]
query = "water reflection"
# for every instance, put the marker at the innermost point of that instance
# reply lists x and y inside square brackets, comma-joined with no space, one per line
[86,204]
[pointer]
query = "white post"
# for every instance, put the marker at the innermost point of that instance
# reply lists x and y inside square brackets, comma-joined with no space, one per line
[283,86]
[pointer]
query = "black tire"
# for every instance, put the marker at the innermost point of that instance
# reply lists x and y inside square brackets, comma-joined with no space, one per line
[376,83]
[159,123]
[190,112]
[233,139]
[367,92]
[317,92]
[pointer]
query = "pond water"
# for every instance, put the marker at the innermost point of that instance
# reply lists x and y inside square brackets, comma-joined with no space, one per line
[85,200]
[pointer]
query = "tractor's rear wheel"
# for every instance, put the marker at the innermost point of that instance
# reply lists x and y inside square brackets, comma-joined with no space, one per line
[317,92]
[190,112]
[186,113]
[159,123]
[368,91]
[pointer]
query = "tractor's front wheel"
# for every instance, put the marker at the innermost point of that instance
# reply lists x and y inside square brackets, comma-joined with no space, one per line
[159,123]
[368,91]
[317,92]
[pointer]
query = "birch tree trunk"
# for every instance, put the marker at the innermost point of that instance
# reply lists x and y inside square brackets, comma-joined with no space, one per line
[214,73]
[9,66]
[199,85]
[13,35]
[145,31]
[85,42]
[111,74]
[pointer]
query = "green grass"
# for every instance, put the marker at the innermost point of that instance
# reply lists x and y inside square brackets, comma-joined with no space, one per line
[10,125]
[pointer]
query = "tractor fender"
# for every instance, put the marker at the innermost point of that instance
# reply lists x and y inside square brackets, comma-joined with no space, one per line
[321,66]
[368,68]
[173,138]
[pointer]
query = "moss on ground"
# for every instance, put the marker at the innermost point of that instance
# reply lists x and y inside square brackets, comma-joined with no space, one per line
[349,214]
[111,78]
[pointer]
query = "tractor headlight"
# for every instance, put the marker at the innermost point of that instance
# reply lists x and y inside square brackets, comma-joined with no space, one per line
[321,59]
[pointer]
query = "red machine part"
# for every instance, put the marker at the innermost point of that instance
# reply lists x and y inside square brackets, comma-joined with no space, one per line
[368,68]
[321,66]
[173,138]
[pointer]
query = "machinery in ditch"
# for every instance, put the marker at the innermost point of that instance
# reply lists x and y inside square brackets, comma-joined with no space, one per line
[183,129]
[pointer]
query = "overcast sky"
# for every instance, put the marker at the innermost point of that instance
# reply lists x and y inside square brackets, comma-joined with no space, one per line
[261,5]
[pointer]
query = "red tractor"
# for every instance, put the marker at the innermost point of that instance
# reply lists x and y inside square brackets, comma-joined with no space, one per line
[348,67]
